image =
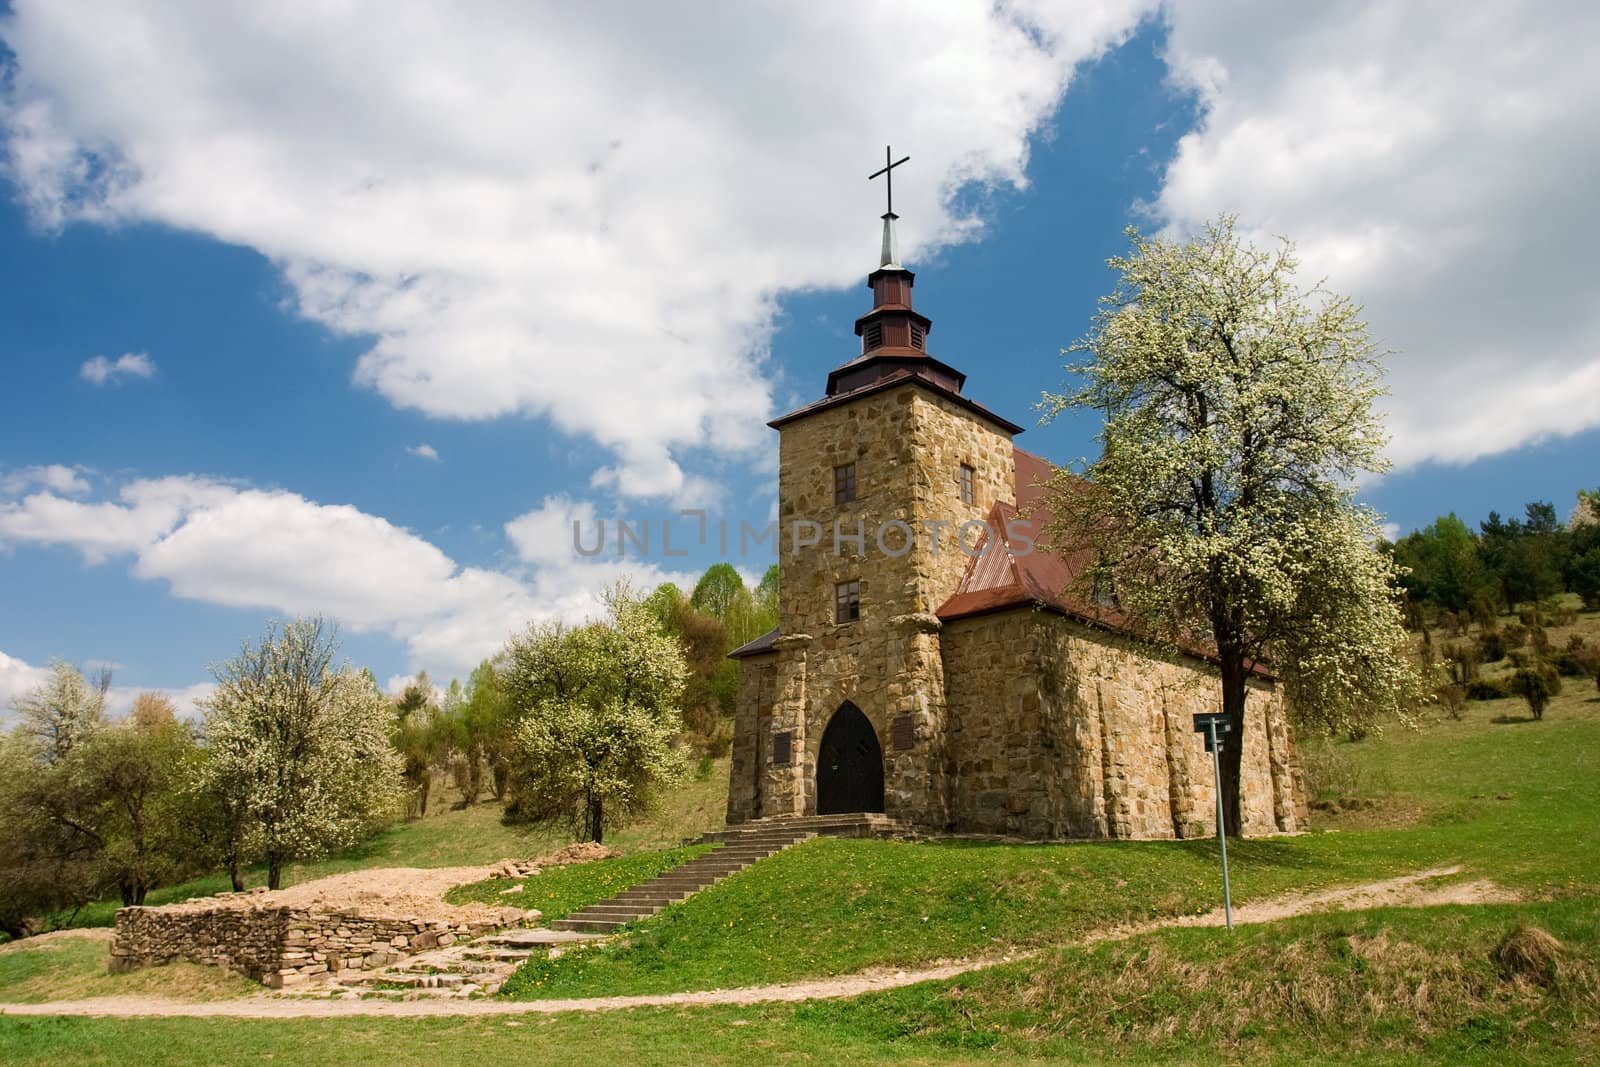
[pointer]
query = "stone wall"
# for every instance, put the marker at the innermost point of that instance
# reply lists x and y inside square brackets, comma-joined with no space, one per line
[908,445]
[277,945]
[1058,730]
[1021,722]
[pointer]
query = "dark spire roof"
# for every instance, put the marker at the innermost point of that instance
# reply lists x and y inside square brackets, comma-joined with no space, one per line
[894,346]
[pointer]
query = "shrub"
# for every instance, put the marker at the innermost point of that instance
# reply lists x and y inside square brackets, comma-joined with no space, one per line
[1516,634]
[1533,686]
[1452,698]
[1566,664]
[1588,660]
[1461,660]
[1530,617]
[1488,689]
[1539,639]
[1563,617]
[1491,647]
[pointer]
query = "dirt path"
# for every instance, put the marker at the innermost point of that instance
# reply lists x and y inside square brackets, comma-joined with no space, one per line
[1408,891]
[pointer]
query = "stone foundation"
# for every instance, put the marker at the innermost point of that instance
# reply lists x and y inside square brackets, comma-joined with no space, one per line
[278,945]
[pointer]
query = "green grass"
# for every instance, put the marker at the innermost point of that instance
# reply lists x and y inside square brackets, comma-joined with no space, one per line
[1492,797]
[1389,986]
[1513,801]
[457,837]
[559,891]
[1407,985]
[72,965]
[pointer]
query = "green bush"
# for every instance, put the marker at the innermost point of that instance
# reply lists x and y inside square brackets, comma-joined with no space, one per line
[1491,647]
[1566,664]
[1489,689]
[1534,687]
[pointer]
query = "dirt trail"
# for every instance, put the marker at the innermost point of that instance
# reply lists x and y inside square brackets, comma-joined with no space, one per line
[1408,891]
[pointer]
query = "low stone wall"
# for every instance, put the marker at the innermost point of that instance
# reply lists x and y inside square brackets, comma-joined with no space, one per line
[278,945]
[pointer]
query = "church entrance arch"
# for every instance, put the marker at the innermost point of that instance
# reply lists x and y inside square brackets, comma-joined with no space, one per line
[849,765]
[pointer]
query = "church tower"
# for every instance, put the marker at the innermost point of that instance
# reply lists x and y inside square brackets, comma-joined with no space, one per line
[843,708]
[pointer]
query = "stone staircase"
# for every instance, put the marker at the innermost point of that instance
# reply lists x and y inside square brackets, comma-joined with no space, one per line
[736,849]
[478,967]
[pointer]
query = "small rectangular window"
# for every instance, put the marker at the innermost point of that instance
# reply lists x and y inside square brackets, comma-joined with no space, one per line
[873,338]
[917,339]
[844,483]
[968,493]
[847,602]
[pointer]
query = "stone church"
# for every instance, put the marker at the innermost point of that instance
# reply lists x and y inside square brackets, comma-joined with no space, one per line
[959,687]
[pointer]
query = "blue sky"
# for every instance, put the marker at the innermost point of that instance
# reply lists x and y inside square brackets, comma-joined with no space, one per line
[330,253]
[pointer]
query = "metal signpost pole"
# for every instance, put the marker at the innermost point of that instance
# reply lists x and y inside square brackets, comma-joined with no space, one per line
[1222,837]
[1211,728]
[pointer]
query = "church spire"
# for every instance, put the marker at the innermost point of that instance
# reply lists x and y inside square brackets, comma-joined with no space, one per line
[894,335]
[891,255]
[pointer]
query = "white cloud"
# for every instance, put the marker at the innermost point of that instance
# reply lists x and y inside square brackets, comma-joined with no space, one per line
[398,683]
[423,451]
[243,547]
[101,370]
[18,677]
[57,477]
[120,698]
[571,212]
[1438,162]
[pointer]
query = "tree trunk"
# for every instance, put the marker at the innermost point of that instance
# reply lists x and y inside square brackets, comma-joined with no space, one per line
[126,890]
[596,829]
[233,874]
[138,894]
[274,871]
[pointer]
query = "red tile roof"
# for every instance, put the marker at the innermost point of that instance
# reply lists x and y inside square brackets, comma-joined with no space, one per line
[1041,577]
[1010,574]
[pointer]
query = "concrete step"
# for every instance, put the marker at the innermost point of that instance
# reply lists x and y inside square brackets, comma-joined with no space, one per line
[499,955]
[619,911]
[599,926]
[531,938]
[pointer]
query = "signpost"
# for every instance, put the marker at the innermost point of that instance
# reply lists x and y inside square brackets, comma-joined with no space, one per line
[1213,727]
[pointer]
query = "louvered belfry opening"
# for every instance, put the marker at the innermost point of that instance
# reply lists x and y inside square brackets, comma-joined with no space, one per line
[893,324]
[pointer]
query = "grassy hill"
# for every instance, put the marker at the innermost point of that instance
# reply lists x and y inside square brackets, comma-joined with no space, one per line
[454,836]
[1511,801]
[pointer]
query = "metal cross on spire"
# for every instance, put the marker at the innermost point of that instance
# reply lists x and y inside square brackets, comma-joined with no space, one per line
[888,177]
[891,254]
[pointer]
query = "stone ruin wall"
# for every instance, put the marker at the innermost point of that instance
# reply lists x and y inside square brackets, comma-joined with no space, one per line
[278,945]
[1057,731]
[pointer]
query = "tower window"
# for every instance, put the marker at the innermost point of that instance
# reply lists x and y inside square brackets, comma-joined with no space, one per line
[917,337]
[847,602]
[873,338]
[968,495]
[844,483]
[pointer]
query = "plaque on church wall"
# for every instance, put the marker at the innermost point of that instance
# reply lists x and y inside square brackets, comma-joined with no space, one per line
[781,743]
[903,733]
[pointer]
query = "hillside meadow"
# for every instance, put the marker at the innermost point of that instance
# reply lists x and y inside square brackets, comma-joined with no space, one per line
[1508,800]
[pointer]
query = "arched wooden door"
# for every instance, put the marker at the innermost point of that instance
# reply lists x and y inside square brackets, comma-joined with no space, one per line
[849,765]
